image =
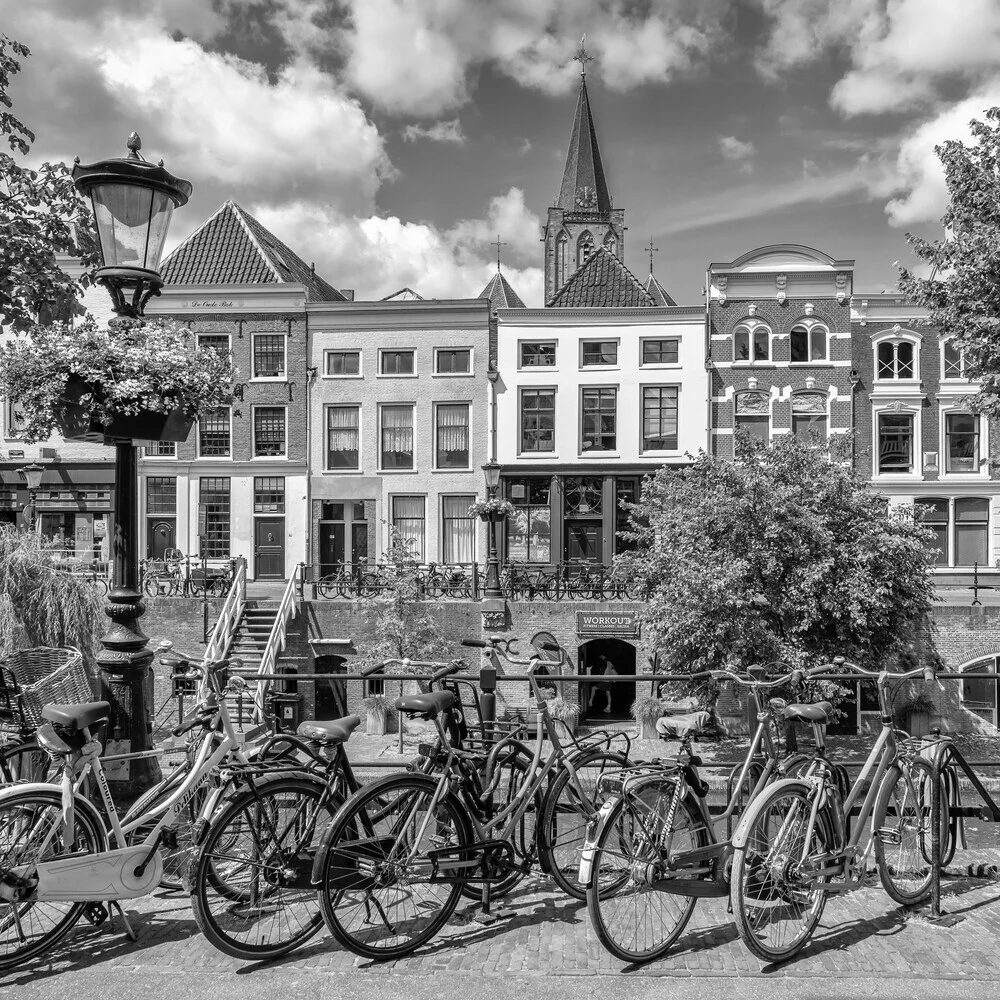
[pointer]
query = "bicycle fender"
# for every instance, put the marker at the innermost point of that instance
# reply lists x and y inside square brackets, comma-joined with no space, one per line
[80,804]
[595,826]
[742,831]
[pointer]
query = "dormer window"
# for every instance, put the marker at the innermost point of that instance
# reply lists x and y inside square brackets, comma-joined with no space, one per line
[751,342]
[954,360]
[895,360]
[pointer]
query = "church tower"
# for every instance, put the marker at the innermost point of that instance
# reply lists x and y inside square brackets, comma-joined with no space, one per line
[582,218]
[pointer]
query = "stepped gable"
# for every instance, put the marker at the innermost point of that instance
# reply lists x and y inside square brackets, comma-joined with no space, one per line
[602,281]
[584,173]
[233,248]
[657,292]
[500,294]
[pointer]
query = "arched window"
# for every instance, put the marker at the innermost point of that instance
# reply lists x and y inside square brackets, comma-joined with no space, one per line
[611,243]
[751,342]
[807,342]
[584,247]
[895,360]
[562,249]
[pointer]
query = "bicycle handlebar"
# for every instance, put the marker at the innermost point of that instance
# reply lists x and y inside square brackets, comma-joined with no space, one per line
[198,719]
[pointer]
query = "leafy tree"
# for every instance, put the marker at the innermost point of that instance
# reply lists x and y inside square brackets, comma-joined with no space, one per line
[41,215]
[962,294]
[778,555]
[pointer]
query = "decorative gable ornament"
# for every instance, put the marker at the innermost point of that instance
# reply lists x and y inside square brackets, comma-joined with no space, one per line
[723,283]
[752,309]
[751,404]
[810,309]
[781,283]
[841,287]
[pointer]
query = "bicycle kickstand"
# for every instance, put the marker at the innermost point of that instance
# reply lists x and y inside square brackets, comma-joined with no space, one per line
[114,906]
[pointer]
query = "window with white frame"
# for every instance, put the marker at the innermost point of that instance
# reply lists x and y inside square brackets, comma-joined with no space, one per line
[751,342]
[961,442]
[451,436]
[895,360]
[599,418]
[895,452]
[960,529]
[458,530]
[660,352]
[659,417]
[597,353]
[980,694]
[753,415]
[393,362]
[410,521]
[809,421]
[218,342]
[538,419]
[269,355]
[538,355]
[342,364]
[161,449]
[343,437]
[214,502]
[453,360]
[396,435]
[214,436]
[807,343]
[269,431]
[952,359]
[15,420]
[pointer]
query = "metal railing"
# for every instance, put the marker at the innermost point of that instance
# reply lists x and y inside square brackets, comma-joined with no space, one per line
[231,614]
[187,576]
[287,610]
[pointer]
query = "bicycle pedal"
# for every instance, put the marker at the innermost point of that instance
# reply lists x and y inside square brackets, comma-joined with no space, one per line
[96,913]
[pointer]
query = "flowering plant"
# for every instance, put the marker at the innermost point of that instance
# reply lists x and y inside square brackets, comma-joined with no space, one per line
[495,507]
[136,366]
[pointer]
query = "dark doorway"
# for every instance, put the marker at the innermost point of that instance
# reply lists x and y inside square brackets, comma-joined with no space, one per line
[160,537]
[269,548]
[594,657]
[331,693]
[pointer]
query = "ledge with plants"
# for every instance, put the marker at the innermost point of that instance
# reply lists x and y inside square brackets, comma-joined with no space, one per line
[380,711]
[494,509]
[139,379]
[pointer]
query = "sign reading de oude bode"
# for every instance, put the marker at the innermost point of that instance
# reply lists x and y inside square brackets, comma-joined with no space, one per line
[599,623]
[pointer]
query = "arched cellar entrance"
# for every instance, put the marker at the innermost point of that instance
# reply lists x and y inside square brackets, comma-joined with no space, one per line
[593,658]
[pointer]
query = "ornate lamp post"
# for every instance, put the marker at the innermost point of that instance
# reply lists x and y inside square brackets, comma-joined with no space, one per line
[133,201]
[33,477]
[491,471]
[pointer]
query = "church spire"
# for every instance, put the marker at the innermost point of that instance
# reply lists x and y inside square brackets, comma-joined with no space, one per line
[584,187]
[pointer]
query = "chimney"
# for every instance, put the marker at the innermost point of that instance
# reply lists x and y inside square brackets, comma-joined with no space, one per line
[348,294]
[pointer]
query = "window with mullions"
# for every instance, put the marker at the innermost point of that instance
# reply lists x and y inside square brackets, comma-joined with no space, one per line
[538,355]
[268,430]
[960,529]
[753,414]
[660,352]
[954,360]
[343,437]
[659,418]
[397,436]
[343,363]
[458,530]
[895,442]
[268,355]
[161,495]
[213,499]
[451,435]
[895,360]
[529,530]
[397,363]
[161,449]
[961,434]
[599,352]
[453,361]
[213,433]
[807,343]
[218,342]
[599,419]
[538,419]
[409,520]
[809,421]
[751,343]
[269,494]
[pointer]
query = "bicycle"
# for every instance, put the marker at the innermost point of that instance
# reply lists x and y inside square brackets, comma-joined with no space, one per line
[162,577]
[654,842]
[388,883]
[798,842]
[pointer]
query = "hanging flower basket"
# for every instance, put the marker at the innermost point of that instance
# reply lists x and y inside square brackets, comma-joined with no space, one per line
[492,510]
[75,422]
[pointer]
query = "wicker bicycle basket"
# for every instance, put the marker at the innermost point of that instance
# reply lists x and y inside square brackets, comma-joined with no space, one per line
[47,676]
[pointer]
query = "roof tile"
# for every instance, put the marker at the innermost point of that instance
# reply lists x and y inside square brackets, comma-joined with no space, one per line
[602,281]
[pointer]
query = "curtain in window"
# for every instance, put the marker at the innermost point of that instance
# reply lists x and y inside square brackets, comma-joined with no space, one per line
[453,435]
[397,437]
[408,519]
[459,530]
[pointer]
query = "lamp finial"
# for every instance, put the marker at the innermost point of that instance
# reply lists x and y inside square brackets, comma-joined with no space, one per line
[133,144]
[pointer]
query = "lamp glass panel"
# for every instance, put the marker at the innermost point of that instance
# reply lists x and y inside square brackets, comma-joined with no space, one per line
[132,223]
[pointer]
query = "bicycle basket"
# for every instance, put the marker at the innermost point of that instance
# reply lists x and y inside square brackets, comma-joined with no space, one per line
[46,676]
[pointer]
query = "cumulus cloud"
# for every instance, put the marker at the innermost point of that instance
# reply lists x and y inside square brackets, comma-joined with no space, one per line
[438,132]
[737,151]
[377,255]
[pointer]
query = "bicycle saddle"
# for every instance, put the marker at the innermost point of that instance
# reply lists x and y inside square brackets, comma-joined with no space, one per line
[678,726]
[428,705]
[331,732]
[811,713]
[77,716]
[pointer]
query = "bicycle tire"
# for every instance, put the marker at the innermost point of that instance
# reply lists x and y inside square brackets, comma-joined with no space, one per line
[355,847]
[435,585]
[24,761]
[764,882]
[19,811]
[252,876]
[904,800]
[327,586]
[633,920]
[564,818]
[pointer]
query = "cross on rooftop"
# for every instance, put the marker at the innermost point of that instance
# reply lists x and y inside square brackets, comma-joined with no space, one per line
[651,250]
[496,243]
[581,55]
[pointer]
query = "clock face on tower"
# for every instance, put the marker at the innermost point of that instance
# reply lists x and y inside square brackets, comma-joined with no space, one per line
[586,197]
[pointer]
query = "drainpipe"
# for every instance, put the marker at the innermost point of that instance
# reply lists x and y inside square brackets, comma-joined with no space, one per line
[310,375]
[709,447]
[493,375]
[855,382]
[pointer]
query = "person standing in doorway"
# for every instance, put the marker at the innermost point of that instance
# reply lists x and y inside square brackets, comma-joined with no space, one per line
[602,668]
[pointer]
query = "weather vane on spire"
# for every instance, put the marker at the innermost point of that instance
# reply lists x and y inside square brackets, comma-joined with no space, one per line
[581,55]
[651,250]
[496,243]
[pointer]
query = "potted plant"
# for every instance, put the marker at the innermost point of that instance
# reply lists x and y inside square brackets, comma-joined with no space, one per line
[916,714]
[564,712]
[141,379]
[549,694]
[495,509]
[646,711]
[380,710]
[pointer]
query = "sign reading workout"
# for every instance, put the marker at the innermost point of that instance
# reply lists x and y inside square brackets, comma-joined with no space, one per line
[599,623]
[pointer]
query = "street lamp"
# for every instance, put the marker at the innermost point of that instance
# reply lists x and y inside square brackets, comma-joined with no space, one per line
[33,477]
[491,472]
[133,201]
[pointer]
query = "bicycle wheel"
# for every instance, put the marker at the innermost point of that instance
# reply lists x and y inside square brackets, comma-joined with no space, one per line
[250,882]
[565,815]
[634,920]
[328,586]
[380,896]
[31,831]
[25,761]
[435,584]
[902,821]
[776,905]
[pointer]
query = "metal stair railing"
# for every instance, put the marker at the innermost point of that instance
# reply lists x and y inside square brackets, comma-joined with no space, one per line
[231,614]
[287,610]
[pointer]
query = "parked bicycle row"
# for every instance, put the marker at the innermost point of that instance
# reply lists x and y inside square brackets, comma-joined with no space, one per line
[275,837]
[178,575]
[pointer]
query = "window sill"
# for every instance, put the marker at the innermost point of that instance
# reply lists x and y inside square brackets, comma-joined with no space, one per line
[268,378]
[445,471]
[595,454]
[824,363]
[213,458]
[537,454]
[397,472]
[600,368]
[660,365]
[336,377]
[401,375]
[539,368]
[342,472]
[269,458]
[754,364]
[453,375]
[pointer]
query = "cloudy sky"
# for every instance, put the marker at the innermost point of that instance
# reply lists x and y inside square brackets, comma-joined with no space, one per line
[391,140]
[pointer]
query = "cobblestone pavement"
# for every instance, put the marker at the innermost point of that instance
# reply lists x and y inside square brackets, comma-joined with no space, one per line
[864,936]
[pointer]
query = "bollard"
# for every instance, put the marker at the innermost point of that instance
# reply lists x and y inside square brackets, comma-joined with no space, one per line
[488,701]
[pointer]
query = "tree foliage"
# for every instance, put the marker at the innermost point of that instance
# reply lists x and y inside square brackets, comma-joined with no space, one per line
[41,215]
[778,555]
[962,293]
